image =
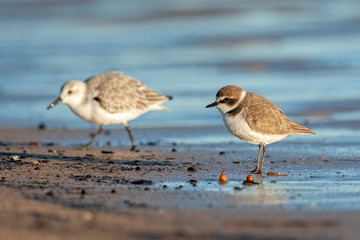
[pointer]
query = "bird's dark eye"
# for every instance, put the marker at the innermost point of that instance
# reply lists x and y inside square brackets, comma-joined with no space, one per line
[69,92]
[226,99]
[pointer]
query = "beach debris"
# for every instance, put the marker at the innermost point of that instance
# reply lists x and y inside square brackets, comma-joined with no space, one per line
[276,174]
[49,193]
[179,187]
[134,204]
[223,178]
[107,152]
[82,178]
[191,169]
[237,188]
[41,126]
[142,182]
[222,153]
[250,181]
[193,181]
[37,144]
[151,143]
[75,190]
[15,158]
[35,162]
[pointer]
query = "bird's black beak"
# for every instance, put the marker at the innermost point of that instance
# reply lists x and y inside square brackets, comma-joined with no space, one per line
[58,100]
[212,105]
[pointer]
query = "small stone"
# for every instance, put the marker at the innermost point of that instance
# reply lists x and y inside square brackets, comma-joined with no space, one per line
[41,126]
[276,174]
[107,152]
[35,162]
[142,182]
[191,169]
[193,181]
[222,153]
[15,158]
[49,193]
[38,144]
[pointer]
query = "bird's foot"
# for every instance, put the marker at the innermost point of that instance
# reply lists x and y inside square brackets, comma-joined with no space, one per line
[133,148]
[257,171]
[83,147]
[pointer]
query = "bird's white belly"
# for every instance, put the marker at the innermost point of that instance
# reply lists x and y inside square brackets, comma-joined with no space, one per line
[96,114]
[238,126]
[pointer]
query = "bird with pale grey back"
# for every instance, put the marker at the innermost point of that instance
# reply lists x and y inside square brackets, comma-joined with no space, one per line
[254,119]
[110,98]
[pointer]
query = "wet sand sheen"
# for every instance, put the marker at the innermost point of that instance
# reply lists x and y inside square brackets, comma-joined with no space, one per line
[151,192]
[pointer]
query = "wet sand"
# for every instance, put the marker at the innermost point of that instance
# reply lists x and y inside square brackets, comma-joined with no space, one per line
[169,190]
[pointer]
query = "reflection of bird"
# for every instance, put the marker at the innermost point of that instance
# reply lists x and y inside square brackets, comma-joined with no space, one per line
[110,98]
[254,119]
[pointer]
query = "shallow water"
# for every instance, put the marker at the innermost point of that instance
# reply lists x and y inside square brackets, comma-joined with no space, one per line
[290,195]
[303,55]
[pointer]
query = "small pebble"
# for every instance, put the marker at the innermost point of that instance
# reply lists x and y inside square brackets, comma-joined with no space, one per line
[276,174]
[222,153]
[38,144]
[191,169]
[237,188]
[193,181]
[107,152]
[15,158]
[41,126]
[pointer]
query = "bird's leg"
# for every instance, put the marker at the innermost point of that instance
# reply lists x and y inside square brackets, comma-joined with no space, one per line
[133,145]
[263,157]
[257,169]
[94,137]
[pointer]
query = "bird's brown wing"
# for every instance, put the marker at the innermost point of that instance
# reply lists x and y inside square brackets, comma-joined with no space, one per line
[264,116]
[117,93]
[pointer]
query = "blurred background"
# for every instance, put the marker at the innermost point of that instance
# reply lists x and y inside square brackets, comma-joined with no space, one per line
[302,55]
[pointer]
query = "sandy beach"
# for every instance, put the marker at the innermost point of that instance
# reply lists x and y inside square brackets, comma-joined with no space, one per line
[54,191]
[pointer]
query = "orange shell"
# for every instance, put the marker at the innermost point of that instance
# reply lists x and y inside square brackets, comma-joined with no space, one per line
[223,177]
[250,178]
